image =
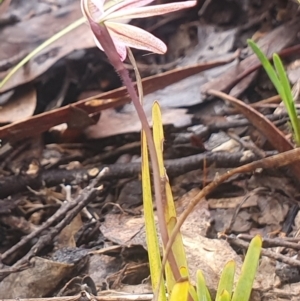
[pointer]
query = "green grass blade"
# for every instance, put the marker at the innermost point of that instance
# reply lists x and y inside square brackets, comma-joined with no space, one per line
[244,285]
[192,293]
[202,291]
[280,81]
[267,66]
[40,48]
[227,279]
[288,101]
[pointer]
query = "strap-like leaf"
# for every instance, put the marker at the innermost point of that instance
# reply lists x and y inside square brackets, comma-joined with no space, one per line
[226,280]
[180,291]
[244,285]
[225,296]
[267,66]
[288,99]
[151,233]
[202,291]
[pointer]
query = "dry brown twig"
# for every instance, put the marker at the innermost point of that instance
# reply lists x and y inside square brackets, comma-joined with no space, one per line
[275,161]
[85,296]
[271,254]
[14,184]
[87,195]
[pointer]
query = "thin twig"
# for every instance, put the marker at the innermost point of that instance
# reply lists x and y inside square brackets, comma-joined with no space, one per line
[84,296]
[287,242]
[61,212]
[279,257]
[279,160]
[175,167]
[86,196]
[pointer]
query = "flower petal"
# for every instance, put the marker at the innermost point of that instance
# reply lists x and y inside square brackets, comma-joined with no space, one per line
[135,37]
[148,11]
[124,5]
[92,8]
[120,47]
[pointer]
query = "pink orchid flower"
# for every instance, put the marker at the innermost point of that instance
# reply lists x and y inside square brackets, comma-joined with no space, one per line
[113,14]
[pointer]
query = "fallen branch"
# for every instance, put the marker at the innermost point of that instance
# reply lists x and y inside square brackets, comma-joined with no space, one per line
[175,167]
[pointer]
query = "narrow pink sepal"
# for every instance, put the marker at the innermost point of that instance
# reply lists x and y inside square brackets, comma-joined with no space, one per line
[136,37]
[120,47]
[149,11]
[92,9]
[126,5]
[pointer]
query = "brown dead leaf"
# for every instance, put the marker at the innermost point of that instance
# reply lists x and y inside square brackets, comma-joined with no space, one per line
[233,202]
[39,280]
[288,292]
[66,236]
[18,41]
[19,106]
[272,210]
[30,9]
[42,122]
[238,78]
[264,278]
[113,122]
[208,255]
[213,45]
[122,229]
[132,273]
[202,253]
[101,266]
[263,125]
[78,284]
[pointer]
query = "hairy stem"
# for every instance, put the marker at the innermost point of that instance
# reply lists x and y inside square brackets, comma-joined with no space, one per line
[103,35]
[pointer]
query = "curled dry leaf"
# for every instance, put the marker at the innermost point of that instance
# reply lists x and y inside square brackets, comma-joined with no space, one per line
[20,105]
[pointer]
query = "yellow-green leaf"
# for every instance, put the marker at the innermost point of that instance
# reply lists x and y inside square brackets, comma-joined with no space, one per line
[244,285]
[224,296]
[226,279]
[180,291]
[193,293]
[202,291]
[151,233]
[169,207]
[158,136]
